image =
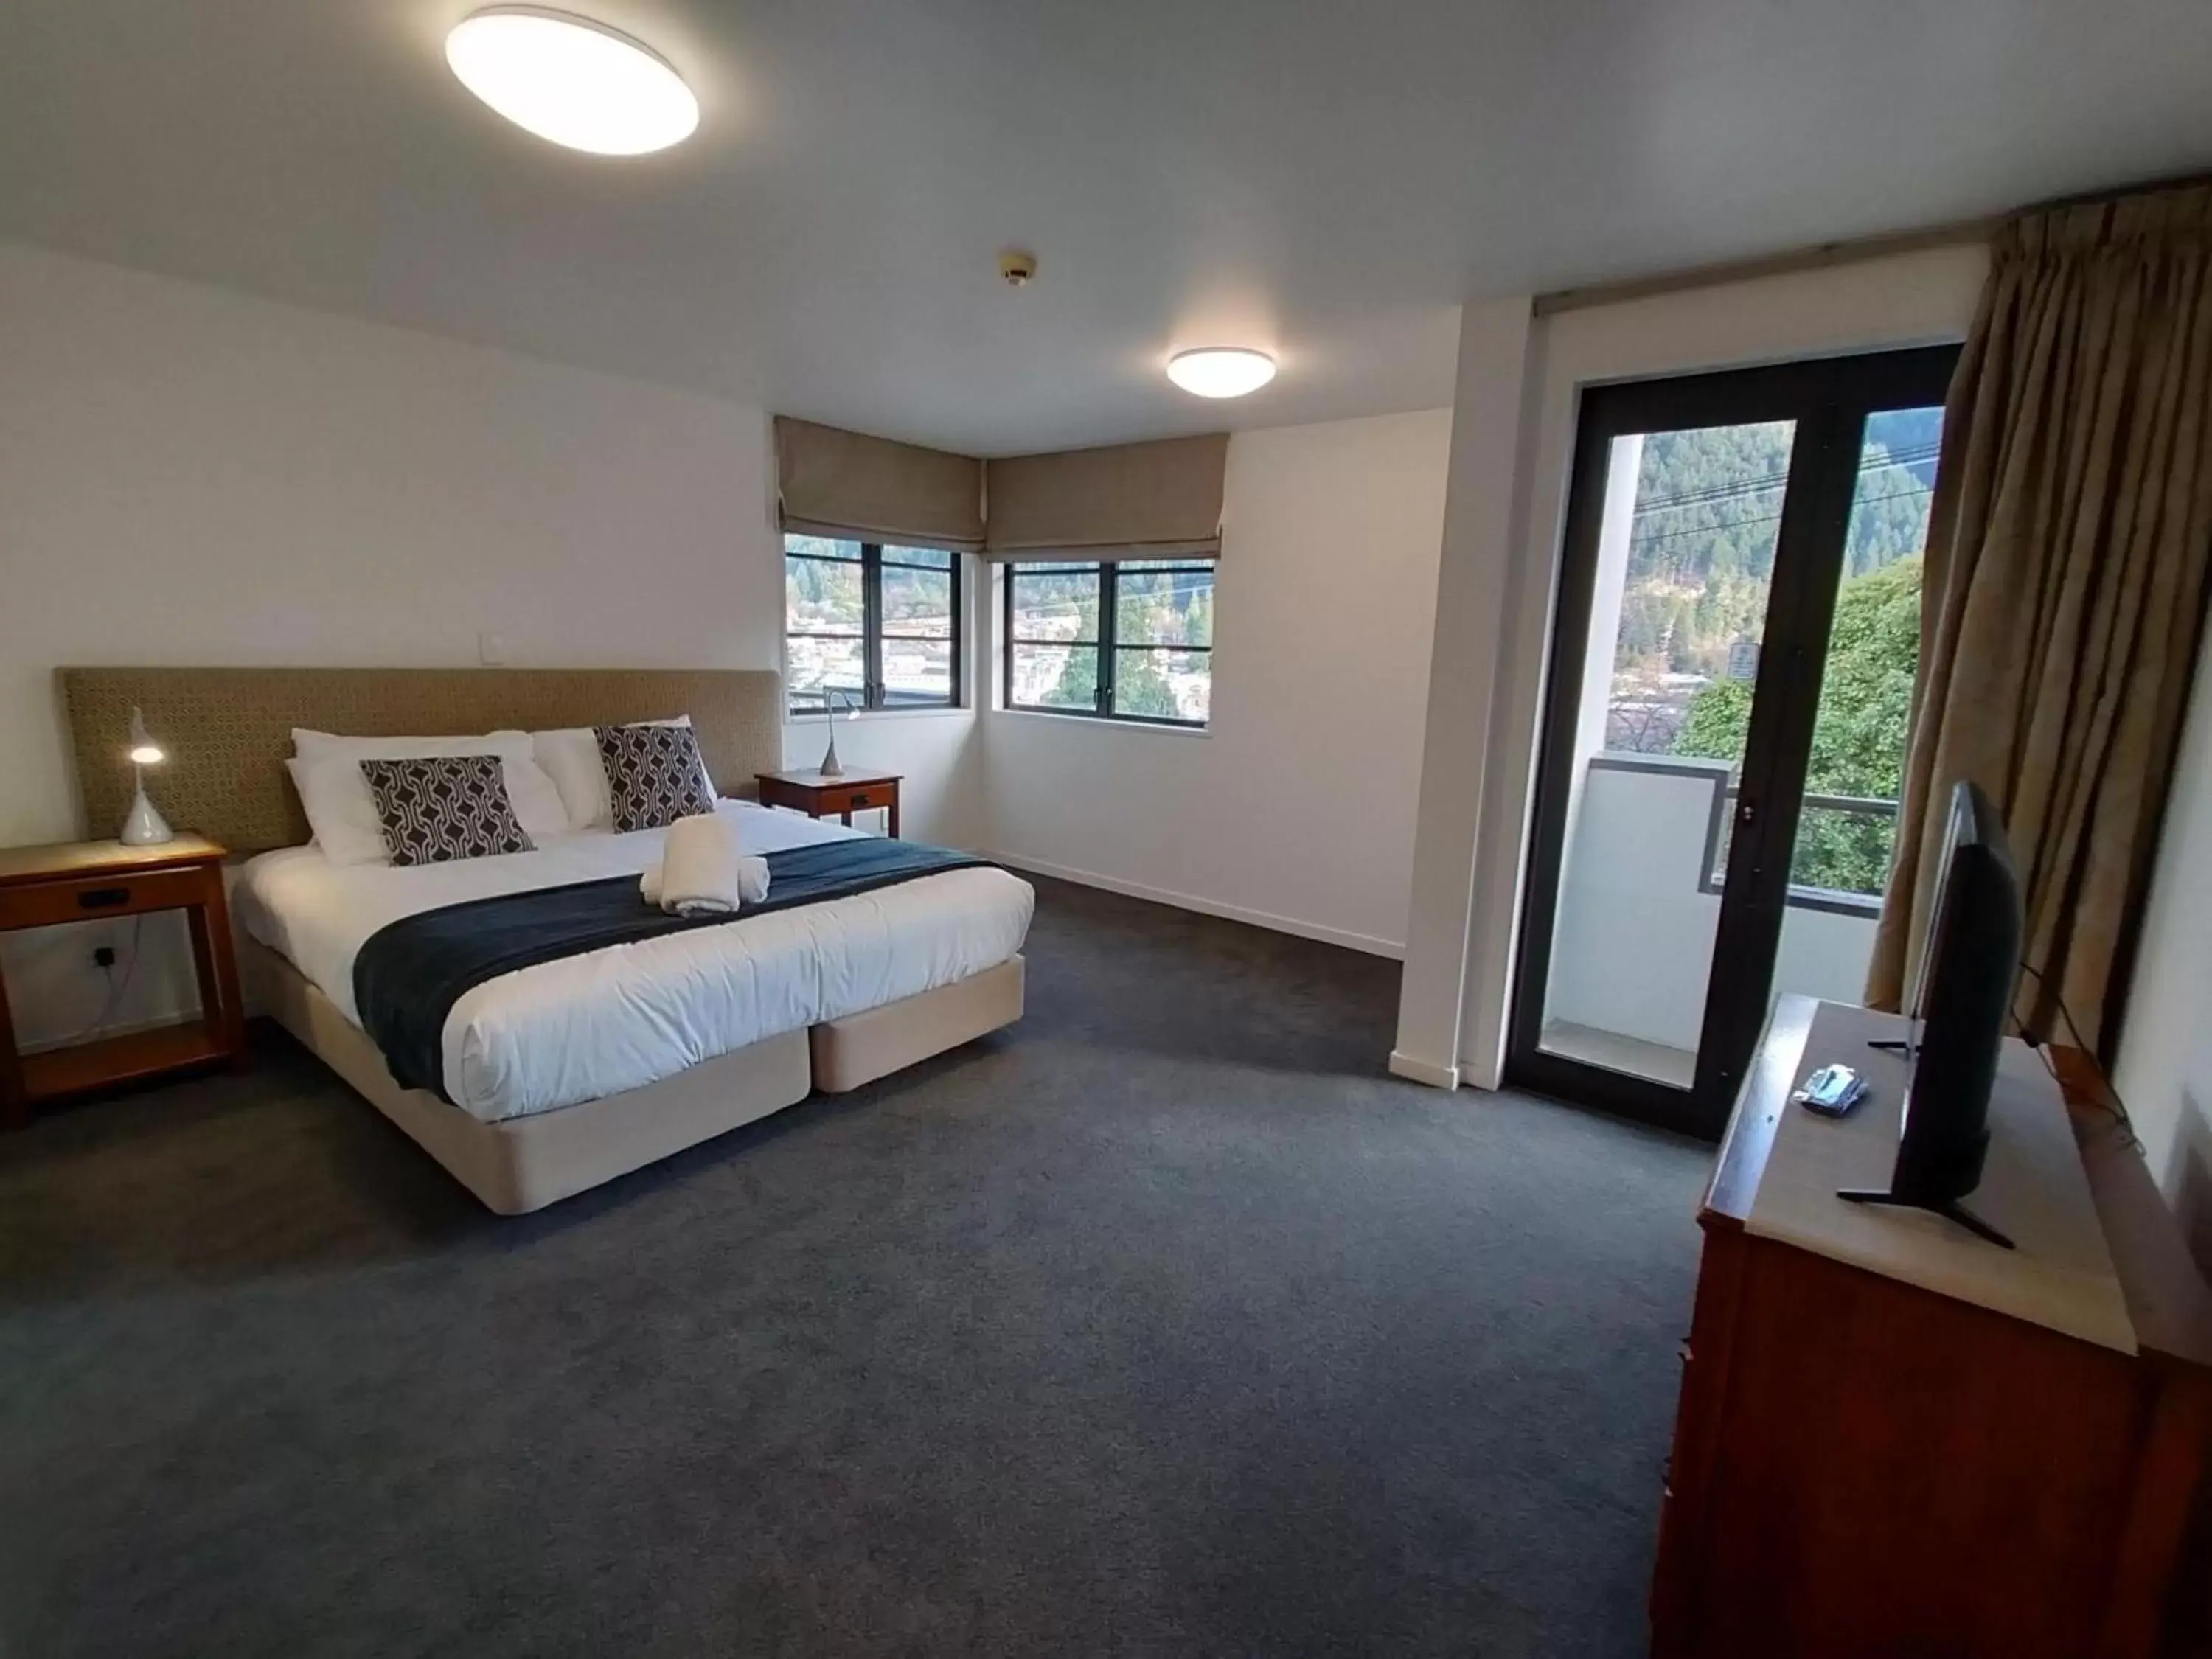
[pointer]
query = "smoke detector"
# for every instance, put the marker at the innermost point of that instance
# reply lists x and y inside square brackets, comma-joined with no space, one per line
[1017,267]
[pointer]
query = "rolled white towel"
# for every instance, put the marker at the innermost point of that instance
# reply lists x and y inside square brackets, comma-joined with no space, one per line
[699,866]
[702,872]
[752,878]
[648,886]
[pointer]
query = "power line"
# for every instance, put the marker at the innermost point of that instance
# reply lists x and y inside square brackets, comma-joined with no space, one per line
[1905,457]
[1772,481]
[1772,518]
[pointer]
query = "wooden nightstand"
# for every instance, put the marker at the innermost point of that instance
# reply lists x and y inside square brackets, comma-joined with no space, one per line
[84,881]
[818,797]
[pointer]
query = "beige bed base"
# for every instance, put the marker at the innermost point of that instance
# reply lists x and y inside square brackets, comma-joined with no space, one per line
[524,1163]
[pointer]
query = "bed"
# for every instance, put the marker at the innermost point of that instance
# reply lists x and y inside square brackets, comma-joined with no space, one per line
[568,1072]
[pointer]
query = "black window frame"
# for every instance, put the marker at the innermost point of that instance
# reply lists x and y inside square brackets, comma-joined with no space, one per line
[1830,399]
[875,696]
[1107,644]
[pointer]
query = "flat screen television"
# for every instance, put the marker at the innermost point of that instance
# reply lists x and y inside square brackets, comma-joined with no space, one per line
[1961,997]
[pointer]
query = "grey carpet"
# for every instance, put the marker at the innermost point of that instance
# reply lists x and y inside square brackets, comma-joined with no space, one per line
[1163,1323]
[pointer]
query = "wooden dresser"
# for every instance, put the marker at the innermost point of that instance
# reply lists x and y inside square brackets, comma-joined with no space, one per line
[1894,1438]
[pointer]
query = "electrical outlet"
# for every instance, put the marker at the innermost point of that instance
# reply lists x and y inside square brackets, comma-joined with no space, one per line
[103,956]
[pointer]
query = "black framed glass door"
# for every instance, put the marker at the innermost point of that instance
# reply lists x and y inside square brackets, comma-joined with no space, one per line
[1731,667]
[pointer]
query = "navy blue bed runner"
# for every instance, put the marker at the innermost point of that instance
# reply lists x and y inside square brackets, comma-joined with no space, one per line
[411,973]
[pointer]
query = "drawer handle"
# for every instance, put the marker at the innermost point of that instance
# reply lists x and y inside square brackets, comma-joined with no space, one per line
[103,898]
[859,800]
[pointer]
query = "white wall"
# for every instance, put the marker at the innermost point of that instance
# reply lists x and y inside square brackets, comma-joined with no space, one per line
[1484,510]
[193,477]
[1902,300]
[1296,808]
[2164,1069]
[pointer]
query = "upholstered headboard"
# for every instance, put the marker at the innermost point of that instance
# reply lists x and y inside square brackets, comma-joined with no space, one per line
[229,731]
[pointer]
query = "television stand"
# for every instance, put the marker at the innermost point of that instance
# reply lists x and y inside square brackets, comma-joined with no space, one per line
[1949,1209]
[1894,1439]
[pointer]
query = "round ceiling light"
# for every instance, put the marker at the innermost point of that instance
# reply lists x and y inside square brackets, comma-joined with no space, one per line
[571,81]
[1221,371]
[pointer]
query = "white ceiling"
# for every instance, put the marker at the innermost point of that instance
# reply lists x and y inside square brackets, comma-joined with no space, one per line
[1328,179]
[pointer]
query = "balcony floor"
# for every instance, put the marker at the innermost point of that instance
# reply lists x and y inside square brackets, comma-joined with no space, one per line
[1676,1068]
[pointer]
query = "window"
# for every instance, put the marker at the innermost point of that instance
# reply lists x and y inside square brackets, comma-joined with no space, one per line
[1128,641]
[880,624]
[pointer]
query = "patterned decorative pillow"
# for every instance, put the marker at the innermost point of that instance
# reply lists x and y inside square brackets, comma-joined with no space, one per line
[654,775]
[440,807]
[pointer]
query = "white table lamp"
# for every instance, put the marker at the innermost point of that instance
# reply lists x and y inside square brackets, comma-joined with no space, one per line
[144,827]
[830,766]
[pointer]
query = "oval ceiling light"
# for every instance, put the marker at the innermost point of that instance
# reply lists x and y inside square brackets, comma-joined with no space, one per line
[571,81]
[1221,371]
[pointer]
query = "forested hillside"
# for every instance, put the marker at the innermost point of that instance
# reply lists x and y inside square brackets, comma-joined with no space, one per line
[1708,507]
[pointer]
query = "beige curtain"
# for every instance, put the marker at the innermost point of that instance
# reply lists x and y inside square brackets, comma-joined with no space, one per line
[1124,501]
[857,488]
[2065,585]
[1144,500]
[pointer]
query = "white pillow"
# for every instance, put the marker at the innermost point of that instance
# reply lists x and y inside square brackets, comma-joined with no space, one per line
[327,771]
[341,811]
[571,757]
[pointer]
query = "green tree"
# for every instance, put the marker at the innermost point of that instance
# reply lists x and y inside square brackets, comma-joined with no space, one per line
[1866,697]
[1714,724]
[1139,687]
[1078,685]
[1858,734]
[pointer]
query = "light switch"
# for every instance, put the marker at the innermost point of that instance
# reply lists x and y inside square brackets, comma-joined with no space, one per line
[491,649]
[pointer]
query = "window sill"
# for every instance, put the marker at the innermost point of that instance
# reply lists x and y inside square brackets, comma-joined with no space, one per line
[1100,722]
[869,716]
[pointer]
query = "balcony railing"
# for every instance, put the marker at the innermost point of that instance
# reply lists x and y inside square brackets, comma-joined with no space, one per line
[1639,897]
[1846,837]
[1861,833]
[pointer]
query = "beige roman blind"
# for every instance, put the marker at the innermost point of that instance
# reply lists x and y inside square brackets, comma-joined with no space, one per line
[847,485]
[1145,500]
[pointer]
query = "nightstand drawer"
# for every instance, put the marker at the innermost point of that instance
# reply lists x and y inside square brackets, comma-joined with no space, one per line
[41,904]
[839,797]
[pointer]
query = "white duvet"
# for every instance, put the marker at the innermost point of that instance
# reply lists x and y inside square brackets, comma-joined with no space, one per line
[614,1019]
